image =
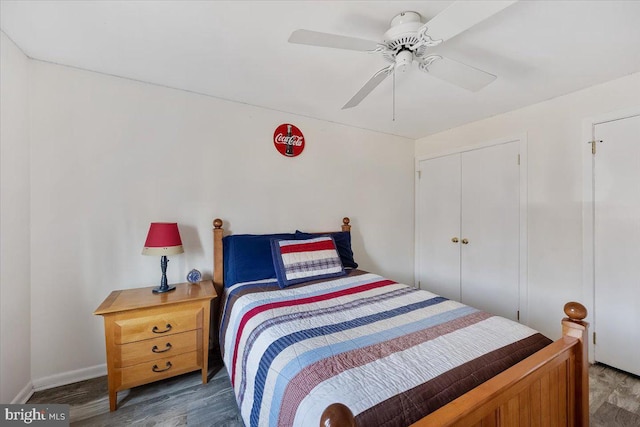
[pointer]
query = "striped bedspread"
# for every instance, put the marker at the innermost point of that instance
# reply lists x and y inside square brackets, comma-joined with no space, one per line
[388,351]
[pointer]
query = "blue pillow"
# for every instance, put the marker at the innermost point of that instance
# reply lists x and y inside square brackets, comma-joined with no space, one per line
[247,257]
[299,261]
[343,244]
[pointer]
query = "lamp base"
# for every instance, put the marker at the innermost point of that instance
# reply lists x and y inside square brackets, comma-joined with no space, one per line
[163,289]
[164,286]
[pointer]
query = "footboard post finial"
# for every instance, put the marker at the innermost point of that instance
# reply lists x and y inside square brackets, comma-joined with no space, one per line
[337,415]
[345,224]
[575,326]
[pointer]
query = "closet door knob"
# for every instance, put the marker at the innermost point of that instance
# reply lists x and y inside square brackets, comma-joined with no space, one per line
[455,240]
[465,241]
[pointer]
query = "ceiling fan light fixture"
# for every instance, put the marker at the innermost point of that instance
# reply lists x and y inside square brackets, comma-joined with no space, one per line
[404,58]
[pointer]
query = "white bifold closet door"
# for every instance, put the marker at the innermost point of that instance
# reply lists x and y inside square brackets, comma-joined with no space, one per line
[617,244]
[439,225]
[469,228]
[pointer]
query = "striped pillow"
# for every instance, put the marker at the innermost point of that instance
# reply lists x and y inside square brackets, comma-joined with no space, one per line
[297,261]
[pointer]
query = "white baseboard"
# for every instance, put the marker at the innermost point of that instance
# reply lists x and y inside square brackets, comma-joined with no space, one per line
[69,377]
[24,394]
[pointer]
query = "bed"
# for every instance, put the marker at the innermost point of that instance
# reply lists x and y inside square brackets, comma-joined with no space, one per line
[351,348]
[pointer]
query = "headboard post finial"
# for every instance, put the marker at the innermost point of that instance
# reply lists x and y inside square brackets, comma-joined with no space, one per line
[345,224]
[217,223]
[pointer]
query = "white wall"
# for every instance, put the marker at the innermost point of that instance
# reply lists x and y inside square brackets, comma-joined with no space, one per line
[111,155]
[555,154]
[15,312]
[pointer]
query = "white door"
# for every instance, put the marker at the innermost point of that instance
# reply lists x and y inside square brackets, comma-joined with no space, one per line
[490,268]
[438,225]
[617,244]
[471,197]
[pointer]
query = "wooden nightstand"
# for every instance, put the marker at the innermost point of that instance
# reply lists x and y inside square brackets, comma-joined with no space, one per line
[155,336]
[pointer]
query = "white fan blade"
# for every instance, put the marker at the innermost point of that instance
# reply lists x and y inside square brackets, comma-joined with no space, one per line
[369,87]
[459,74]
[315,38]
[461,16]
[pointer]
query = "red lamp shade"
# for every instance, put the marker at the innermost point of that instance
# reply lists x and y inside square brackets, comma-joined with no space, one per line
[163,238]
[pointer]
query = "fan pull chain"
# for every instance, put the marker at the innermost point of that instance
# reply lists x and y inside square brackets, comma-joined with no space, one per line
[393,96]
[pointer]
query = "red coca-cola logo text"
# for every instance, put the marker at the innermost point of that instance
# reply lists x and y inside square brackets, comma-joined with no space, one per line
[288,140]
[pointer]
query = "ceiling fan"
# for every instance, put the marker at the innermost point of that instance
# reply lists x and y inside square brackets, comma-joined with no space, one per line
[409,39]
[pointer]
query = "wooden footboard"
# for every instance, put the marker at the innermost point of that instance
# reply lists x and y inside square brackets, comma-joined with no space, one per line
[549,388]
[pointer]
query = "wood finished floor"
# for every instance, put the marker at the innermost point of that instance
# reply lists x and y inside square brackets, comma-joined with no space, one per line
[614,401]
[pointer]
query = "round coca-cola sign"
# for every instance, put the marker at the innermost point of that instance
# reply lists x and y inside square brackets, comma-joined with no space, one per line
[288,139]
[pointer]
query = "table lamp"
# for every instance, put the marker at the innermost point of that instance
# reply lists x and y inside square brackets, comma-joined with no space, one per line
[163,239]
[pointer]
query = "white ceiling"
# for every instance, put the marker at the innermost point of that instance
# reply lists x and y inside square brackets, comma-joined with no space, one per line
[238,50]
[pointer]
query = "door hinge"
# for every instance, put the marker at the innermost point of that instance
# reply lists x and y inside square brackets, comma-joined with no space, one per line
[518,315]
[419,174]
[419,285]
[594,338]
[518,159]
[593,145]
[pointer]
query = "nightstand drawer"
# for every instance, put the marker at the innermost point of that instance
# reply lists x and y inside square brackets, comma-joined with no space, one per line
[166,367]
[156,323]
[157,348]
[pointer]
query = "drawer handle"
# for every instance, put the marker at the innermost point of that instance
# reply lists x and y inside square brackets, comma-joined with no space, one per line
[156,369]
[155,329]
[156,350]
